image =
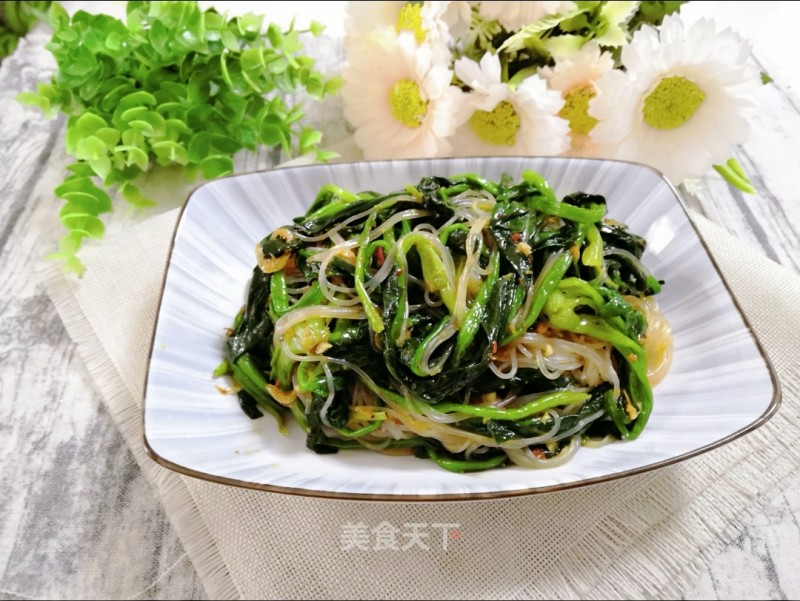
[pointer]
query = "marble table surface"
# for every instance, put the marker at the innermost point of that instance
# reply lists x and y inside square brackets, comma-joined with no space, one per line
[78,519]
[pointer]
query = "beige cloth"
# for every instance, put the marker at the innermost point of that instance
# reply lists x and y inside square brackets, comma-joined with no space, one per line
[643,536]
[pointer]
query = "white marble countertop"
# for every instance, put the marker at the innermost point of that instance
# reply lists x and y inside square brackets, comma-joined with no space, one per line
[78,520]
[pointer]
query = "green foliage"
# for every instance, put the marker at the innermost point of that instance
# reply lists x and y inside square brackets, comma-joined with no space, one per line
[173,85]
[538,44]
[16,19]
[653,13]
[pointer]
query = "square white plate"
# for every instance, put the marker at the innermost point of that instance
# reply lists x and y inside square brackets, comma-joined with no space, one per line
[719,387]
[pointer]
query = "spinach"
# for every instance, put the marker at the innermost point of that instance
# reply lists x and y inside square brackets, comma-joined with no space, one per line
[255,330]
[249,405]
[513,227]
[415,339]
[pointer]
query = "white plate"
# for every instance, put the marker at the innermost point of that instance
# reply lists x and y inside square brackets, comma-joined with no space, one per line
[720,385]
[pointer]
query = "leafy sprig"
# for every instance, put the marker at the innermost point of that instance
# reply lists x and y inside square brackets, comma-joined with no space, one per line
[173,85]
[609,23]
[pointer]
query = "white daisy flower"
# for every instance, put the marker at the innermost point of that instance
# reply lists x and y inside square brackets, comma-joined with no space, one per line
[426,21]
[575,78]
[515,15]
[498,120]
[398,99]
[684,101]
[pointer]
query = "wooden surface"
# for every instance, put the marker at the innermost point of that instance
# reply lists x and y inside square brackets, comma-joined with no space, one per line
[77,518]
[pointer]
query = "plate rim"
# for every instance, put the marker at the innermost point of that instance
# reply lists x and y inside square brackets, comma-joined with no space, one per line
[771,409]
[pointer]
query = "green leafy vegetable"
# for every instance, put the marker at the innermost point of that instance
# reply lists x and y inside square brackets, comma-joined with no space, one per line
[470,322]
[173,85]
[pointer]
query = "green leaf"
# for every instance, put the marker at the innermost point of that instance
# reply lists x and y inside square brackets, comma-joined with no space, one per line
[521,76]
[101,165]
[134,196]
[333,85]
[109,136]
[67,35]
[133,137]
[37,100]
[114,41]
[316,28]
[175,91]
[159,38]
[79,68]
[136,99]
[309,138]
[214,22]
[70,243]
[278,66]
[229,40]
[765,78]
[576,23]
[315,86]
[216,166]
[156,122]
[199,147]
[176,127]
[171,110]
[90,148]
[327,155]
[170,152]
[78,170]
[88,123]
[292,43]
[72,264]
[82,190]
[141,125]
[275,35]
[246,136]
[224,144]
[134,156]
[77,207]
[89,225]
[58,17]
[614,18]
[564,46]
[517,41]
[272,130]
[653,13]
[111,100]
[250,23]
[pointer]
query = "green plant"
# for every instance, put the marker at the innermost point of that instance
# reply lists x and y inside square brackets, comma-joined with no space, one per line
[173,85]
[16,19]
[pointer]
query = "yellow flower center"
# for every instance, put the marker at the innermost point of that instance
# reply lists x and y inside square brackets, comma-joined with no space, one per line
[407,104]
[498,126]
[410,19]
[576,110]
[672,103]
